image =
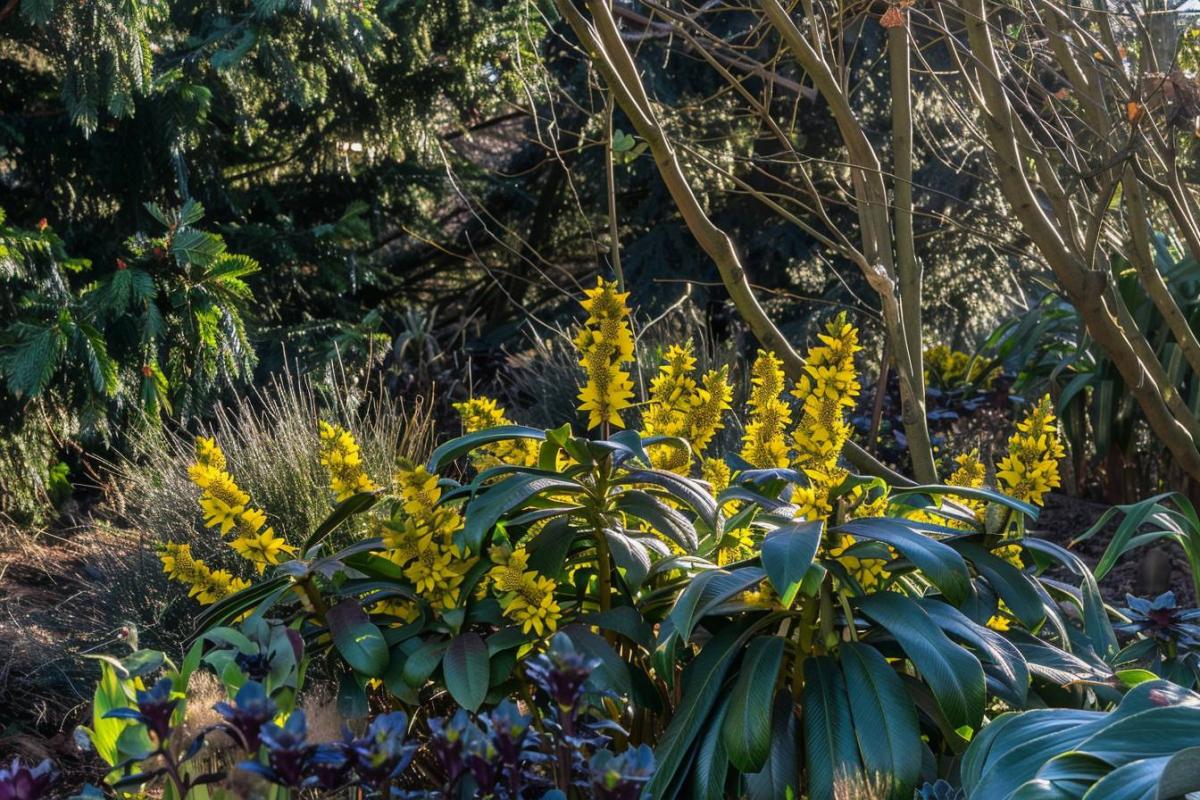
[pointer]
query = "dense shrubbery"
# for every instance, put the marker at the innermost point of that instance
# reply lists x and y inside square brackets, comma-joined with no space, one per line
[637,611]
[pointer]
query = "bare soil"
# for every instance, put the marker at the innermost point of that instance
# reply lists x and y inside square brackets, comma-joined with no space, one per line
[1148,571]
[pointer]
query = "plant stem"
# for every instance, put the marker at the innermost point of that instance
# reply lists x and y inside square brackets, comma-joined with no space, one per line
[313,595]
[804,630]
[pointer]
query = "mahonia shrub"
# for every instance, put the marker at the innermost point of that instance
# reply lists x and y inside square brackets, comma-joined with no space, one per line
[720,592]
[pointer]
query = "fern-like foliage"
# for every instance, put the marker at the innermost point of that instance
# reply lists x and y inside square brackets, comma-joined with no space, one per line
[161,333]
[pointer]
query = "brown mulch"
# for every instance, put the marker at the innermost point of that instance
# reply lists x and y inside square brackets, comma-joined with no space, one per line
[63,595]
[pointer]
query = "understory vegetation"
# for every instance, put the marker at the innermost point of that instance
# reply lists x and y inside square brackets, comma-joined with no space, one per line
[575,399]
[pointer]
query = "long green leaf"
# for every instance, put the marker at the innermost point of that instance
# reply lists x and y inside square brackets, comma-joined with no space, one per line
[747,727]
[455,448]
[787,554]
[1013,586]
[995,649]
[955,676]
[701,686]
[885,721]
[355,504]
[1180,775]
[686,490]
[488,508]
[780,777]
[937,561]
[465,668]
[830,748]
[711,766]
[660,517]
[357,639]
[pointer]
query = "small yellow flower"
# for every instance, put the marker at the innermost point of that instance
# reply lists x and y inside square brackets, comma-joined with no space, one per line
[178,563]
[998,623]
[209,454]
[264,548]
[763,445]
[218,512]
[509,572]
[532,605]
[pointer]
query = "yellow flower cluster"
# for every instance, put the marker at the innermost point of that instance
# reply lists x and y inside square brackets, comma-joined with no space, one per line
[207,585]
[1030,469]
[526,597]
[341,458]
[481,413]
[828,387]
[680,406]
[869,572]
[421,539]
[763,444]
[605,342]
[954,367]
[227,506]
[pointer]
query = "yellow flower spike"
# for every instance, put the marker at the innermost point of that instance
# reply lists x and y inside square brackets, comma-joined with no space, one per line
[825,390]
[717,473]
[209,454]
[604,344]
[709,403]
[340,455]
[481,413]
[763,444]
[1030,469]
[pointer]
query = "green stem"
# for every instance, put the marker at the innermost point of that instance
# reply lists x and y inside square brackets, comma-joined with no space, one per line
[313,595]
[828,636]
[804,631]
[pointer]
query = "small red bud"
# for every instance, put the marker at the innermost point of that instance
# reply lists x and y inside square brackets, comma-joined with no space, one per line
[121,264]
[42,225]
[146,371]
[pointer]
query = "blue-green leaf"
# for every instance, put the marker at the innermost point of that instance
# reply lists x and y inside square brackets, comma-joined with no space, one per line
[787,554]
[885,720]
[747,726]
[456,448]
[465,668]
[953,674]
[831,751]
[940,563]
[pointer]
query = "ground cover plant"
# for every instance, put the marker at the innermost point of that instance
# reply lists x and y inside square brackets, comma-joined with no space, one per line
[573,399]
